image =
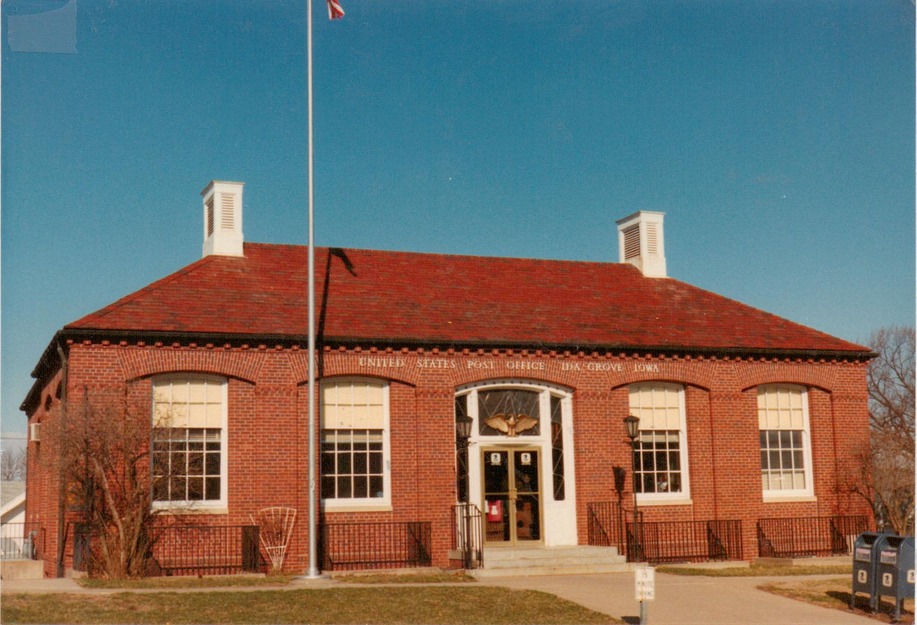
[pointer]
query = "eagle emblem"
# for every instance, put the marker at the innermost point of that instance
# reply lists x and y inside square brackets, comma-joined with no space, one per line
[511,424]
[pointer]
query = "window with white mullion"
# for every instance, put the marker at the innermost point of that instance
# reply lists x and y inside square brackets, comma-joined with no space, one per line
[783,432]
[660,456]
[189,463]
[355,443]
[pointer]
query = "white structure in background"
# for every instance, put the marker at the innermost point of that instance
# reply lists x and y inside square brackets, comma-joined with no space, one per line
[12,521]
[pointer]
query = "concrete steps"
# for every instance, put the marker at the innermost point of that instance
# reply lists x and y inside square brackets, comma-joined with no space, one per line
[581,559]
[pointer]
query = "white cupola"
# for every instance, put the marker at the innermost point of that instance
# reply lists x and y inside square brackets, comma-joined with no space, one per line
[642,244]
[223,218]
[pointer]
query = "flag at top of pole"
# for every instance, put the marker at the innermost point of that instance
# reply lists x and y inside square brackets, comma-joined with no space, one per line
[335,12]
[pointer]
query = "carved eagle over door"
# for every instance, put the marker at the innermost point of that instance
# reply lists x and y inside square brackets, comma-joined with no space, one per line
[511,424]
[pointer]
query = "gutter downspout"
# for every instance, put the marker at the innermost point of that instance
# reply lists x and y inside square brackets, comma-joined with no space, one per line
[62,487]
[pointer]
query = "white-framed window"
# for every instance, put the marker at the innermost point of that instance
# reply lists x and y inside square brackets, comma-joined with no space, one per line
[783,429]
[355,460]
[189,459]
[660,456]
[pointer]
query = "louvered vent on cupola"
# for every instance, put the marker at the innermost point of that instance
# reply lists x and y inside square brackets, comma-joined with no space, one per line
[641,243]
[223,218]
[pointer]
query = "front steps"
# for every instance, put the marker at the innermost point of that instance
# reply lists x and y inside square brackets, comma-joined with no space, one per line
[581,559]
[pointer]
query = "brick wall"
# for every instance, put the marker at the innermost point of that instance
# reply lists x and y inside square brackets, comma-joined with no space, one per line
[267,428]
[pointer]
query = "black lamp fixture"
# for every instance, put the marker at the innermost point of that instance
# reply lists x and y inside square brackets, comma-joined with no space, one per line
[463,429]
[632,424]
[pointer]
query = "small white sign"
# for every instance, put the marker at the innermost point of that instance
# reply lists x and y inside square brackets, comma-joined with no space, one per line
[496,459]
[645,583]
[526,458]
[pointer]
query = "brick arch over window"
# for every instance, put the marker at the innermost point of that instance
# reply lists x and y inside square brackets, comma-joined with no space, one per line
[700,374]
[384,379]
[650,380]
[551,375]
[758,374]
[348,366]
[148,362]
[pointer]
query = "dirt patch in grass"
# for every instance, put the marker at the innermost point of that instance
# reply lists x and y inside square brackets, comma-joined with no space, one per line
[835,593]
[435,605]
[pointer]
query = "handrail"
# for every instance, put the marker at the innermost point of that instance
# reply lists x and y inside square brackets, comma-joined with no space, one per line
[467,534]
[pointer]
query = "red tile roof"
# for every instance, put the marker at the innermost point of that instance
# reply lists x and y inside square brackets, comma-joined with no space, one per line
[402,298]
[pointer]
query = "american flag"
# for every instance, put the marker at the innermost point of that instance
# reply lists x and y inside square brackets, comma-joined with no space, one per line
[335,12]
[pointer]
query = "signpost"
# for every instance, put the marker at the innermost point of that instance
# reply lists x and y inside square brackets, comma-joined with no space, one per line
[644,588]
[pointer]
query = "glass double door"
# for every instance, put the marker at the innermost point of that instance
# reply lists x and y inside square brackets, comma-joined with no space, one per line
[512,495]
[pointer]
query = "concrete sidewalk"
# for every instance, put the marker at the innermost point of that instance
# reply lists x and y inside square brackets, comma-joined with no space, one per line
[680,600]
[686,600]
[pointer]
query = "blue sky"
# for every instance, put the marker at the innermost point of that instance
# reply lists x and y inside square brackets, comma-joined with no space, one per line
[778,138]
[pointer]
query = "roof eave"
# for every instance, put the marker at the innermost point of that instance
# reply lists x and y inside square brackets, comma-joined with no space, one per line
[220,338]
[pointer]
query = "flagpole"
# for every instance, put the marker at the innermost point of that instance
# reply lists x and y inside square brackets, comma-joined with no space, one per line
[313,525]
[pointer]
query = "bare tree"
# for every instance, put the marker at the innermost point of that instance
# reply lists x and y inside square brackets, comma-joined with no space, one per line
[13,464]
[884,475]
[102,447]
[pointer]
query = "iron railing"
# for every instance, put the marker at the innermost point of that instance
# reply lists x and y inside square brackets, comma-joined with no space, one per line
[690,541]
[21,541]
[360,546]
[662,541]
[207,550]
[467,534]
[809,536]
[605,524]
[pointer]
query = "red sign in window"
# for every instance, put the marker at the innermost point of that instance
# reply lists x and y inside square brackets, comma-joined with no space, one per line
[494,511]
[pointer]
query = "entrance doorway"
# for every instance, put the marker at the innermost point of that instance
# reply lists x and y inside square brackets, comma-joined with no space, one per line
[512,495]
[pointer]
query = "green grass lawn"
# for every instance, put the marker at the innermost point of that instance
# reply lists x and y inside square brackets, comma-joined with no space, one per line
[757,570]
[453,604]
[187,582]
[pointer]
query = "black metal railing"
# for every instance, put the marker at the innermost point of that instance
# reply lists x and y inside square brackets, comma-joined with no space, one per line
[809,536]
[607,526]
[690,541]
[358,546]
[603,524]
[467,534]
[610,525]
[206,550]
[21,541]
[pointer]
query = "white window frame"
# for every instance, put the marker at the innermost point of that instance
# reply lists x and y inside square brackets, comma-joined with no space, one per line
[684,495]
[358,504]
[791,494]
[211,505]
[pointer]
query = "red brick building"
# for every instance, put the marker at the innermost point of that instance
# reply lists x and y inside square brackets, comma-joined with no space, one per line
[744,416]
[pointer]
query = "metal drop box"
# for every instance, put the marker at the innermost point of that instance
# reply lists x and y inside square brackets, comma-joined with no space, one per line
[865,565]
[895,569]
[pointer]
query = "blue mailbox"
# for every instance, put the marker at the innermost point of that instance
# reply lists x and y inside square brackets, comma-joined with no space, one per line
[895,569]
[865,563]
